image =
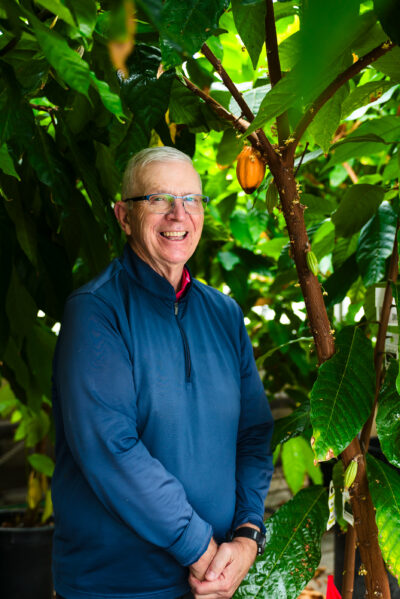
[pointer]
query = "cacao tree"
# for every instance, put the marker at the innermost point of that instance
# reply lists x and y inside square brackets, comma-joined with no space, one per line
[313,88]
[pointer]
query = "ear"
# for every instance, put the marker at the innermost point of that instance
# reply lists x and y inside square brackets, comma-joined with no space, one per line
[123,217]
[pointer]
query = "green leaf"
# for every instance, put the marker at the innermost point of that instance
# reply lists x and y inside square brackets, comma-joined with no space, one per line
[110,100]
[42,463]
[318,208]
[273,248]
[293,548]
[185,26]
[327,120]
[375,244]
[342,396]
[250,25]
[85,13]
[229,147]
[297,461]
[291,426]
[339,283]
[363,95]
[67,63]
[384,486]
[228,259]
[358,205]
[253,99]
[260,361]
[387,419]
[323,240]
[390,64]
[368,139]
[6,162]
[25,227]
[388,12]
[59,9]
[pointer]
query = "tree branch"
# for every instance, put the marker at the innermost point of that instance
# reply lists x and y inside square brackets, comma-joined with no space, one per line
[238,123]
[244,107]
[340,80]
[274,66]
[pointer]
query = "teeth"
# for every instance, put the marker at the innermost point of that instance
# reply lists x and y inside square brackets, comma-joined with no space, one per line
[173,233]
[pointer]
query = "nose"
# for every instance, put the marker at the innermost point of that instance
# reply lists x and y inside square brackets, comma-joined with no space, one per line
[177,211]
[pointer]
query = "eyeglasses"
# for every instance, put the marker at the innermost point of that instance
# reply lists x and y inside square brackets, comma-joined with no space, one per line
[163,203]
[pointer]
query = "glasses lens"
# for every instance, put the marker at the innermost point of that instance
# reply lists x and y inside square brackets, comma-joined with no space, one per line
[161,202]
[194,204]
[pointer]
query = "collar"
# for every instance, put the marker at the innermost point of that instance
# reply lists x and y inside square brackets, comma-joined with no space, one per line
[150,280]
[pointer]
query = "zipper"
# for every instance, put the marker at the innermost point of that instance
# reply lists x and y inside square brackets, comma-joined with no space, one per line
[188,364]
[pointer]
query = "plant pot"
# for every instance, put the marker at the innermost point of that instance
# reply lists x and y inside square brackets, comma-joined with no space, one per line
[25,560]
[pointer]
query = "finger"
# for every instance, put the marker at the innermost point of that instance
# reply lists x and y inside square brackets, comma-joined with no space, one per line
[221,559]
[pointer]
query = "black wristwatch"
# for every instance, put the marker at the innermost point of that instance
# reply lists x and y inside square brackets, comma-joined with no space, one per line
[249,533]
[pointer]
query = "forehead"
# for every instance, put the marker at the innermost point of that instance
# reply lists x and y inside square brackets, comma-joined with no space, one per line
[174,177]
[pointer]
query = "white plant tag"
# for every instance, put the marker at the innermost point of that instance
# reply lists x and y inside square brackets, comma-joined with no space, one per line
[331,505]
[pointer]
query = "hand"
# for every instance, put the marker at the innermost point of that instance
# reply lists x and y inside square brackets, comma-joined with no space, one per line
[199,568]
[226,571]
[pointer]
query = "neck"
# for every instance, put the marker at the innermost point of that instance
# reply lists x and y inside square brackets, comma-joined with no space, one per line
[171,272]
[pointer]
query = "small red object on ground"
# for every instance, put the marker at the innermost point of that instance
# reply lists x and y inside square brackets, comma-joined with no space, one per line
[331,590]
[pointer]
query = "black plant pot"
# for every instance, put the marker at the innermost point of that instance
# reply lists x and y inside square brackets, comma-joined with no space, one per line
[25,560]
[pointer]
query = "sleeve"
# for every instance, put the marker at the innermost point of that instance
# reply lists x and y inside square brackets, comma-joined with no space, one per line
[253,456]
[95,385]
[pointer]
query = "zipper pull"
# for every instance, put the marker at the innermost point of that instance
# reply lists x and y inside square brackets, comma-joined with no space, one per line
[176,308]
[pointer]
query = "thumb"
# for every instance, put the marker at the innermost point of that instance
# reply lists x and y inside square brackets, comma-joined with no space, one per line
[219,563]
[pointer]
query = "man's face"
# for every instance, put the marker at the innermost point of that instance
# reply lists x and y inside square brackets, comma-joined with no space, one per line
[150,231]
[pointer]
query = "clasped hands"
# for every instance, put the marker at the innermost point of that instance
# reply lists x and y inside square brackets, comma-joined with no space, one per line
[221,569]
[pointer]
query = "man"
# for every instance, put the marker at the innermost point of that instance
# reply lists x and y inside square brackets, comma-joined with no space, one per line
[162,424]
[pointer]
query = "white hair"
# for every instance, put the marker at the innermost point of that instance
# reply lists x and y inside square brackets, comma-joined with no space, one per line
[145,157]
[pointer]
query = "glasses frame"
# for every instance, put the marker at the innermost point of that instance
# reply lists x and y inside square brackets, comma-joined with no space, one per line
[146,198]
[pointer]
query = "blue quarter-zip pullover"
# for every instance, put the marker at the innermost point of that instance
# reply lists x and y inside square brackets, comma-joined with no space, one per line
[162,433]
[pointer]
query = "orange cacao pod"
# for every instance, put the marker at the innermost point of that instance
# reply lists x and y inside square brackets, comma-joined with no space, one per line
[250,169]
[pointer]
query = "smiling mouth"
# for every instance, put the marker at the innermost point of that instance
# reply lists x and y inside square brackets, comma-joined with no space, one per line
[174,235]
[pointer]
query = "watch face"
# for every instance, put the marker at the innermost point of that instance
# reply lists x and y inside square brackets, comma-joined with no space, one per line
[261,545]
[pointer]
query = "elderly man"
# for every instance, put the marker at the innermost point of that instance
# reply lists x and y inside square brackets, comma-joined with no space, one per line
[162,424]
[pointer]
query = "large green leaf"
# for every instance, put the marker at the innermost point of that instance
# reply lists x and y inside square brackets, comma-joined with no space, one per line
[384,485]
[358,205]
[327,120]
[364,94]
[185,26]
[291,426]
[111,100]
[298,461]
[85,13]
[387,419]
[253,99]
[375,244]
[388,12]
[68,64]
[390,64]
[250,24]
[59,9]
[369,138]
[342,396]
[293,548]
[146,95]
[338,283]
[25,228]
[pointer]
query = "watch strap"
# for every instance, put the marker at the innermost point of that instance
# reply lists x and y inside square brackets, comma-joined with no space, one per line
[249,533]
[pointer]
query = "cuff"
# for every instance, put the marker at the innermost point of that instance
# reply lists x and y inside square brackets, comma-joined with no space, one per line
[193,542]
[251,518]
